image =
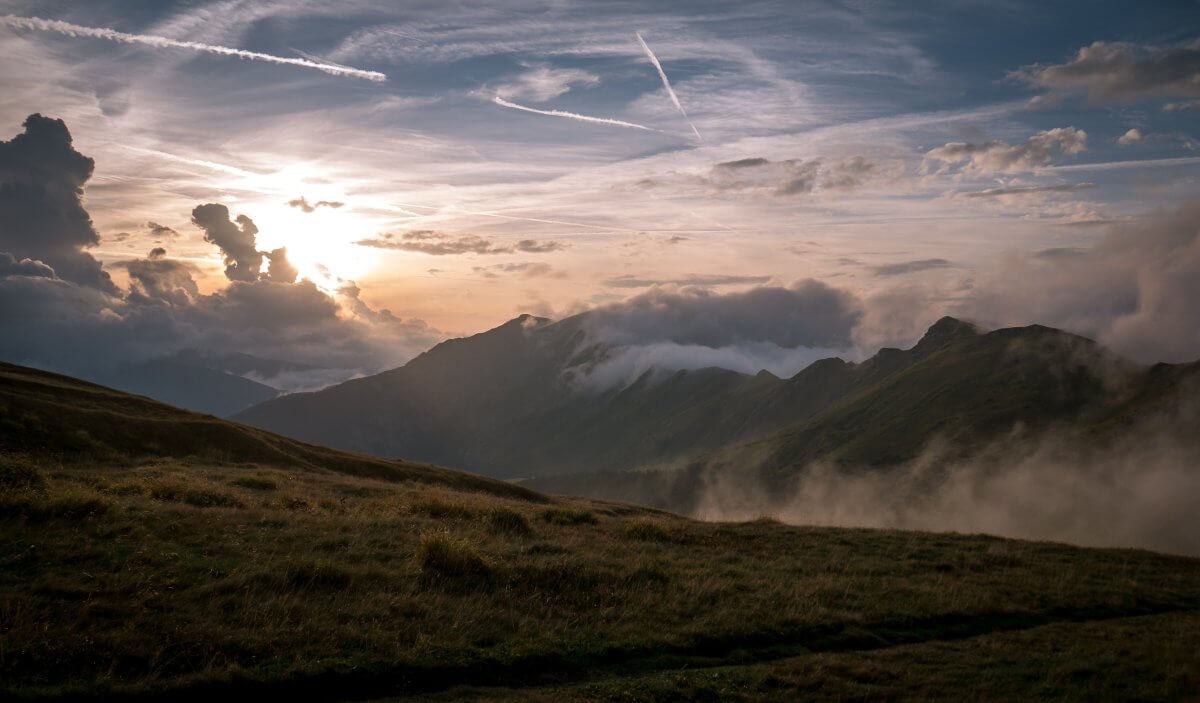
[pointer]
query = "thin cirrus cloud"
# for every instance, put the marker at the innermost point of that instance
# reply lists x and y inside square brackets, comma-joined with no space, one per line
[573,115]
[440,244]
[76,30]
[667,84]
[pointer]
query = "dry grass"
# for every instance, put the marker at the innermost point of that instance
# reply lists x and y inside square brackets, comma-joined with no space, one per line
[108,587]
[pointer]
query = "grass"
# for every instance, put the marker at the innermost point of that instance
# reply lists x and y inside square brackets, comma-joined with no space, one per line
[174,577]
[108,590]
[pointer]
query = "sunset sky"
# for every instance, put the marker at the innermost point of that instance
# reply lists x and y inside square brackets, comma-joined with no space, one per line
[879,148]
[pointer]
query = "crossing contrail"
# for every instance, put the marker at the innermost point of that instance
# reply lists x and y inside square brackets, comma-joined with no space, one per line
[667,84]
[76,30]
[573,116]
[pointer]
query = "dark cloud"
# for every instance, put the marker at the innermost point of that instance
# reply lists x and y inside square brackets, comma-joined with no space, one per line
[689,280]
[305,206]
[83,325]
[236,241]
[157,230]
[159,279]
[753,162]
[1000,157]
[1120,72]
[904,267]
[441,244]
[10,266]
[807,314]
[1029,190]
[280,270]
[41,210]
[533,246]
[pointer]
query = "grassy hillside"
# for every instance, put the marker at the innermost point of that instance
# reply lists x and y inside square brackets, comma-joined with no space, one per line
[152,553]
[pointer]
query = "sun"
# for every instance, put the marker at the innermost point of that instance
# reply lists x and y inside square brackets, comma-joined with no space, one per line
[320,244]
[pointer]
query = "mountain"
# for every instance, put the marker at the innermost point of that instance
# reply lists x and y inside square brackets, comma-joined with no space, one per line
[152,553]
[188,383]
[517,401]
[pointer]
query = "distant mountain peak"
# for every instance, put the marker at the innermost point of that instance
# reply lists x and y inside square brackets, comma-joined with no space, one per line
[944,331]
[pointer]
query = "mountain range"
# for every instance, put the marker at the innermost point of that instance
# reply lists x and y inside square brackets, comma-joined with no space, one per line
[519,401]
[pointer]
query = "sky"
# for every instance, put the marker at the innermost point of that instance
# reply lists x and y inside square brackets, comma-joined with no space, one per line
[433,169]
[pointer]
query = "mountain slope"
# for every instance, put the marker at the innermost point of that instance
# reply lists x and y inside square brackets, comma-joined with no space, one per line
[189,385]
[518,401]
[152,553]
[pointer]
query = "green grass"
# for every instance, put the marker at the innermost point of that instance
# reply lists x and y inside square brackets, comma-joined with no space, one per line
[109,590]
[304,573]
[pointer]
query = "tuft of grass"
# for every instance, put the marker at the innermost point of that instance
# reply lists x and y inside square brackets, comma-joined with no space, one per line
[255,483]
[648,531]
[442,554]
[19,477]
[196,497]
[506,520]
[443,510]
[563,516]
[317,576]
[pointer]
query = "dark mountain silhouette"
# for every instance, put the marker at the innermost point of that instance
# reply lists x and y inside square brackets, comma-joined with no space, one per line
[514,402]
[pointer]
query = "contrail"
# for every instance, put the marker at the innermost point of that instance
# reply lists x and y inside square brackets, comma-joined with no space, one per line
[75,30]
[573,116]
[667,84]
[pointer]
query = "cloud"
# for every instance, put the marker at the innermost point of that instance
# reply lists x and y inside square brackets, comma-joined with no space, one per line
[1133,136]
[1185,106]
[573,116]
[541,83]
[306,207]
[10,266]
[705,280]
[808,313]
[534,246]
[75,30]
[236,240]
[759,176]
[667,84]
[441,244]
[524,269]
[73,326]
[1137,290]
[1000,157]
[1120,72]
[1028,190]
[157,230]
[41,209]
[281,270]
[905,267]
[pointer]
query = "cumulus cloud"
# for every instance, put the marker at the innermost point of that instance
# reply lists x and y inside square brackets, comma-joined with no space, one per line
[442,244]
[1133,136]
[1120,72]
[235,239]
[72,325]
[41,209]
[808,313]
[307,207]
[10,266]
[1137,290]
[280,269]
[540,82]
[1000,157]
